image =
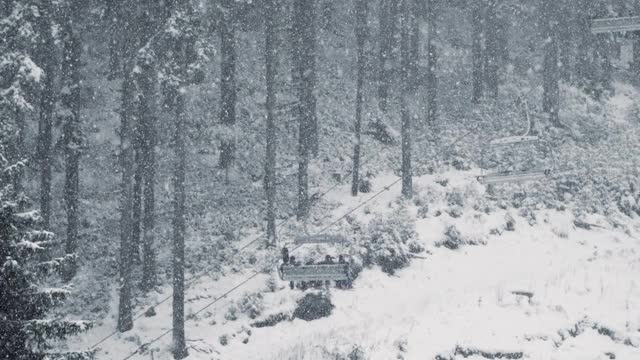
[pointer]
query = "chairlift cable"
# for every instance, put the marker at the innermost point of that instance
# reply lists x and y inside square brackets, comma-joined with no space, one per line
[258,272]
[244,247]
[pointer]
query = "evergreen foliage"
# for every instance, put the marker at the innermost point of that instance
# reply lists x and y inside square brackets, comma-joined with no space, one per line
[25,332]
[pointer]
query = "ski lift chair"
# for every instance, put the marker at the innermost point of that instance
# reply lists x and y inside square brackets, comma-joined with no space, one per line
[292,271]
[503,175]
[507,175]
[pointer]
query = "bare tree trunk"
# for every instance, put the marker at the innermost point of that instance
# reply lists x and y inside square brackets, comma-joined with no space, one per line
[146,112]
[73,138]
[304,65]
[127,119]
[587,66]
[309,44]
[179,230]
[551,94]
[407,19]
[271,58]
[636,41]
[228,95]
[361,38]
[583,32]
[136,216]
[414,45]
[432,65]
[20,151]
[148,124]
[565,41]
[47,107]
[603,52]
[387,30]
[492,50]
[477,19]
[115,16]
[125,317]
[636,54]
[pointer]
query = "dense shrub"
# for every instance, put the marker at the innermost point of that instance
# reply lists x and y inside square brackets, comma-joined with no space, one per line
[453,239]
[313,306]
[232,313]
[365,186]
[455,199]
[224,340]
[386,242]
[602,193]
[251,305]
[357,354]
[510,222]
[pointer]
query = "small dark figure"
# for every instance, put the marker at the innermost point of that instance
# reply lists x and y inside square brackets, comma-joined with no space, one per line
[285,255]
[328,260]
[340,284]
[292,261]
[347,269]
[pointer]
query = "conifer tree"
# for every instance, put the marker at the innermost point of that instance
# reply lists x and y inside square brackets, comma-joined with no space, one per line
[361,37]
[551,74]
[386,38]
[492,51]
[46,58]
[271,65]
[25,331]
[305,77]
[477,21]
[20,77]
[72,128]
[179,55]
[432,62]
[407,71]
[228,93]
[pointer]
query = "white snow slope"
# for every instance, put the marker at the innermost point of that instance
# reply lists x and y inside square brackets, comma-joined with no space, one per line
[448,304]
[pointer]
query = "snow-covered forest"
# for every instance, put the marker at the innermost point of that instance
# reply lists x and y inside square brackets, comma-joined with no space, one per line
[318,179]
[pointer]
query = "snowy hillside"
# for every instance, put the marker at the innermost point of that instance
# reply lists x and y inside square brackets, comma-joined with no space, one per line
[538,284]
[160,162]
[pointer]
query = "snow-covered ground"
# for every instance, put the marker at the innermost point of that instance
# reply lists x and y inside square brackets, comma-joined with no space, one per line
[544,289]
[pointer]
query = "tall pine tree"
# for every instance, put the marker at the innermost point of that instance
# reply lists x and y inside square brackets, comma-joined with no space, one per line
[127,122]
[477,35]
[271,65]
[305,77]
[72,128]
[25,330]
[179,56]
[407,75]
[228,93]
[20,77]
[361,37]
[46,58]
[551,74]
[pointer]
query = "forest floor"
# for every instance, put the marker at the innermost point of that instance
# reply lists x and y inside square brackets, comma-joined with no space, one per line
[544,287]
